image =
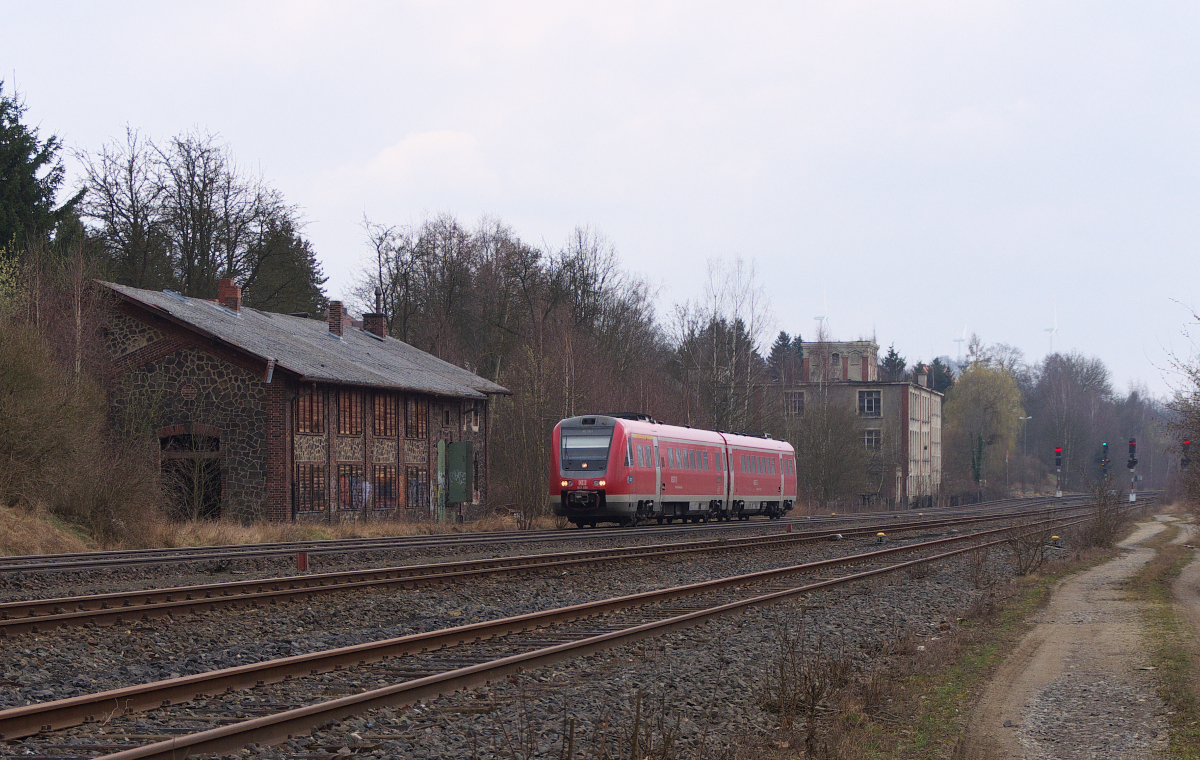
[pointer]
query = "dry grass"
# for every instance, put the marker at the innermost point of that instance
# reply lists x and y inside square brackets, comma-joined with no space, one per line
[22,532]
[38,532]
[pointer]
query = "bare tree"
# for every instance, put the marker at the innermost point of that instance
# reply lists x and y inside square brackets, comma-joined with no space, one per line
[125,198]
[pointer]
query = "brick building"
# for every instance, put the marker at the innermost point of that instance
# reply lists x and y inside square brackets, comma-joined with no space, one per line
[289,418]
[901,422]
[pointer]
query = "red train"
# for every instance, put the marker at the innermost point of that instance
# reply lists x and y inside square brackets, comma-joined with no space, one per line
[628,468]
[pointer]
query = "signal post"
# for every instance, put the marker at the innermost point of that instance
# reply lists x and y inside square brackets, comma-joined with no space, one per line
[1058,472]
[1132,465]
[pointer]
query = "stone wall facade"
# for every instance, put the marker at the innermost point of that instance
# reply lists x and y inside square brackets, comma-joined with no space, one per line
[196,389]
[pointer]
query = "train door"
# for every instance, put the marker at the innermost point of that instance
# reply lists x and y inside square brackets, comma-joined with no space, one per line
[644,475]
[658,479]
[727,474]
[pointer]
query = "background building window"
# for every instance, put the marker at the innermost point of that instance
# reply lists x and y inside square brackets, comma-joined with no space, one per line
[310,412]
[310,488]
[352,488]
[416,418]
[383,487]
[870,404]
[350,412]
[793,402]
[873,440]
[387,414]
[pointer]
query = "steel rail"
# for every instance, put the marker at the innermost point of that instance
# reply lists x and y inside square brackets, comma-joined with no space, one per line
[40,615]
[47,716]
[273,729]
[121,558]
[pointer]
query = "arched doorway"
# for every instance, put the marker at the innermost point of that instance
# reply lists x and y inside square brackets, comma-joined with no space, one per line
[191,470]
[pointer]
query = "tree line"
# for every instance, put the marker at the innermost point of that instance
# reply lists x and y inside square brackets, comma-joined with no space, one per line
[563,326]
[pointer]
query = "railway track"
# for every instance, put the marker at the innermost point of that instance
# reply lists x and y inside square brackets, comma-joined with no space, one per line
[35,616]
[149,557]
[432,663]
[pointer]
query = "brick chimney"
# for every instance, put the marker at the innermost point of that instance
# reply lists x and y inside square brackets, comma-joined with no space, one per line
[229,295]
[375,324]
[336,315]
[923,376]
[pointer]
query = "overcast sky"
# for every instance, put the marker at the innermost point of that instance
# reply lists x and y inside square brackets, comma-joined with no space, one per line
[908,169]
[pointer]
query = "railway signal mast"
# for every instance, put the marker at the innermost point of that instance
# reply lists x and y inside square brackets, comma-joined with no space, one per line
[1183,460]
[1132,464]
[1058,472]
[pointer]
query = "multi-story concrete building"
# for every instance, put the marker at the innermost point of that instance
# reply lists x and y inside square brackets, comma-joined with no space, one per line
[290,418]
[901,422]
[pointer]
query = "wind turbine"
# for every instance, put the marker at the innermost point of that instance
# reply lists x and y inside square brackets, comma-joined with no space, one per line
[823,321]
[1053,330]
[960,340]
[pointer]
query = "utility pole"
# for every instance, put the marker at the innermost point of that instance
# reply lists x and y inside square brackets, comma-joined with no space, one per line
[1025,432]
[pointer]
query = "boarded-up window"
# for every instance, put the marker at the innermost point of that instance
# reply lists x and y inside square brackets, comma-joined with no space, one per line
[310,412]
[417,479]
[416,418]
[353,489]
[310,488]
[384,487]
[387,415]
[350,412]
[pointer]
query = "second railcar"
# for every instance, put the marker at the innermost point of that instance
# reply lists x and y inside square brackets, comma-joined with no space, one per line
[629,469]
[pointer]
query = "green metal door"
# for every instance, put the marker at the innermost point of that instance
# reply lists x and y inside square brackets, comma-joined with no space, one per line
[460,470]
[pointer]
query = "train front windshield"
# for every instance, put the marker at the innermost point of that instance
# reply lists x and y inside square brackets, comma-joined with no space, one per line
[585,452]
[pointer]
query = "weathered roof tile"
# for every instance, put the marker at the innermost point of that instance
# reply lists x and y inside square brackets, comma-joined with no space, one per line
[307,348]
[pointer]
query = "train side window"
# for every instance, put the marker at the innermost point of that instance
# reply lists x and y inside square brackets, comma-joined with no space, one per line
[743,463]
[629,452]
[704,460]
[692,459]
[641,456]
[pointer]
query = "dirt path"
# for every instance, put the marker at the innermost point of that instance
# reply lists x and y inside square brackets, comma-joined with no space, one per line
[1072,688]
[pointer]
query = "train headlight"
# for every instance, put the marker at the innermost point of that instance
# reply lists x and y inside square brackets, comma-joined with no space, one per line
[565,483]
[599,484]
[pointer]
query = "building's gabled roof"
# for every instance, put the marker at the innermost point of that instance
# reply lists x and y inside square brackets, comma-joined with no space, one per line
[307,348]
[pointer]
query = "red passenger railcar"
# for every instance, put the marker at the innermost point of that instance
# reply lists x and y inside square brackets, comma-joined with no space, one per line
[629,468]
